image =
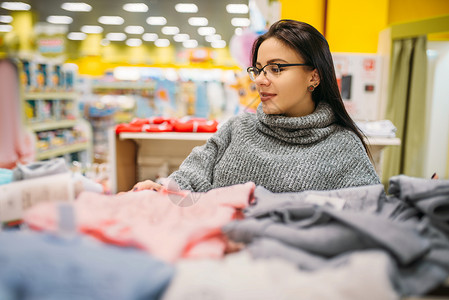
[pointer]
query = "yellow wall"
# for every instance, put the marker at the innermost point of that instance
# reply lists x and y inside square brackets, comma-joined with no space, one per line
[401,11]
[311,12]
[354,25]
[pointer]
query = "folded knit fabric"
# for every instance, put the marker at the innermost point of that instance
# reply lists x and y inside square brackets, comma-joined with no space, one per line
[40,168]
[366,198]
[363,275]
[50,267]
[429,196]
[159,222]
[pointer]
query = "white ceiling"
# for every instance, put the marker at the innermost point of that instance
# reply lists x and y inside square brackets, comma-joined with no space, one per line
[213,10]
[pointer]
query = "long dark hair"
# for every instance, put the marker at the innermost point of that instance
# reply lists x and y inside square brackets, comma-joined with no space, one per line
[314,49]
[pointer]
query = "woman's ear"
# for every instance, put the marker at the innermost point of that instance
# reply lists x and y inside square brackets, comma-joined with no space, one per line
[315,79]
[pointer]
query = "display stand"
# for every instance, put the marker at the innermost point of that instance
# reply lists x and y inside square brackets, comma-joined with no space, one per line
[140,156]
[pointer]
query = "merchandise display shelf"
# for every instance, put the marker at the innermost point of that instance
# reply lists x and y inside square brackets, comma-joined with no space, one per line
[50,95]
[181,136]
[47,154]
[43,126]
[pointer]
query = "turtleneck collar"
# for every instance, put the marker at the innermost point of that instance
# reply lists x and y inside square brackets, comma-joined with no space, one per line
[298,130]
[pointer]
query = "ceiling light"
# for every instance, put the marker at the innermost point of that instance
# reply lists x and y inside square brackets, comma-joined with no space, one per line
[206,30]
[149,37]
[135,7]
[190,44]
[238,31]
[5,19]
[91,29]
[181,37]
[59,19]
[218,44]
[105,42]
[211,38]
[156,20]
[162,43]
[237,8]
[15,6]
[134,29]
[111,20]
[116,36]
[76,36]
[240,22]
[76,6]
[186,8]
[170,30]
[134,42]
[5,28]
[198,21]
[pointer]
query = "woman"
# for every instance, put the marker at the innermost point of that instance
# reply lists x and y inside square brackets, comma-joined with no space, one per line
[301,137]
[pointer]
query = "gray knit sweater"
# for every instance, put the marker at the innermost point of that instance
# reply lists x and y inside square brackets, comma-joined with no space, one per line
[282,154]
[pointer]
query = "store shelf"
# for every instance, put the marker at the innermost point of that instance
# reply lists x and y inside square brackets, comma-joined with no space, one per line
[182,136]
[43,126]
[50,95]
[62,150]
[382,141]
[123,85]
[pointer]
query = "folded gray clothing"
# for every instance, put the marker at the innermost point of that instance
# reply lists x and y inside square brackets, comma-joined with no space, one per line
[265,248]
[345,231]
[403,186]
[326,240]
[40,169]
[431,197]
[402,240]
[363,198]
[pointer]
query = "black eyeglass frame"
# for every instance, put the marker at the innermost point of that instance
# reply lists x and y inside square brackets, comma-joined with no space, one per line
[271,64]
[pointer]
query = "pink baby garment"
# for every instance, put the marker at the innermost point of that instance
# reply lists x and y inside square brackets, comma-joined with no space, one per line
[152,221]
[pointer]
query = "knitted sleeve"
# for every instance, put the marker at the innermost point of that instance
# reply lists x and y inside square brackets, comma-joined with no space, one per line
[196,171]
[356,167]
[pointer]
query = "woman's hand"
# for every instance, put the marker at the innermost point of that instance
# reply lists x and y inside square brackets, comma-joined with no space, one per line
[146,185]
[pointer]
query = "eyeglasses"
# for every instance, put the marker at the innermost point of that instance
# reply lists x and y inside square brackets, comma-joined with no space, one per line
[273,70]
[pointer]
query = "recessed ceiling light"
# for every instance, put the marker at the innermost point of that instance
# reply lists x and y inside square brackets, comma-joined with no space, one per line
[218,44]
[116,36]
[186,8]
[76,36]
[135,7]
[149,37]
[170,30]
[15,6]
[111,20]
[181,37]
[237,8]
[76,6]
[190,44]
[5,28]
[206,30]
[162,43]
[134,42]
[211,38]
[134,29]
[240,22]
[156,20]
[6,19]
[59,19]
[198,21]
[238,31]
[91,29]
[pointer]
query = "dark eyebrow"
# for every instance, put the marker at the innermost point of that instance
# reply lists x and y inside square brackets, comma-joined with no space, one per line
[274,60]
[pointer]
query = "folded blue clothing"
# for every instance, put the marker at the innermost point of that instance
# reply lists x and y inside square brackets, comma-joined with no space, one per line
[42,266]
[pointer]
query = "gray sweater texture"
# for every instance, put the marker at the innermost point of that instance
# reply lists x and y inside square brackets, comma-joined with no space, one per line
[282,154]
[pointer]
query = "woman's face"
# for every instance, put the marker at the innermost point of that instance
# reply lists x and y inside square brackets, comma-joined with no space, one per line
[284,92]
